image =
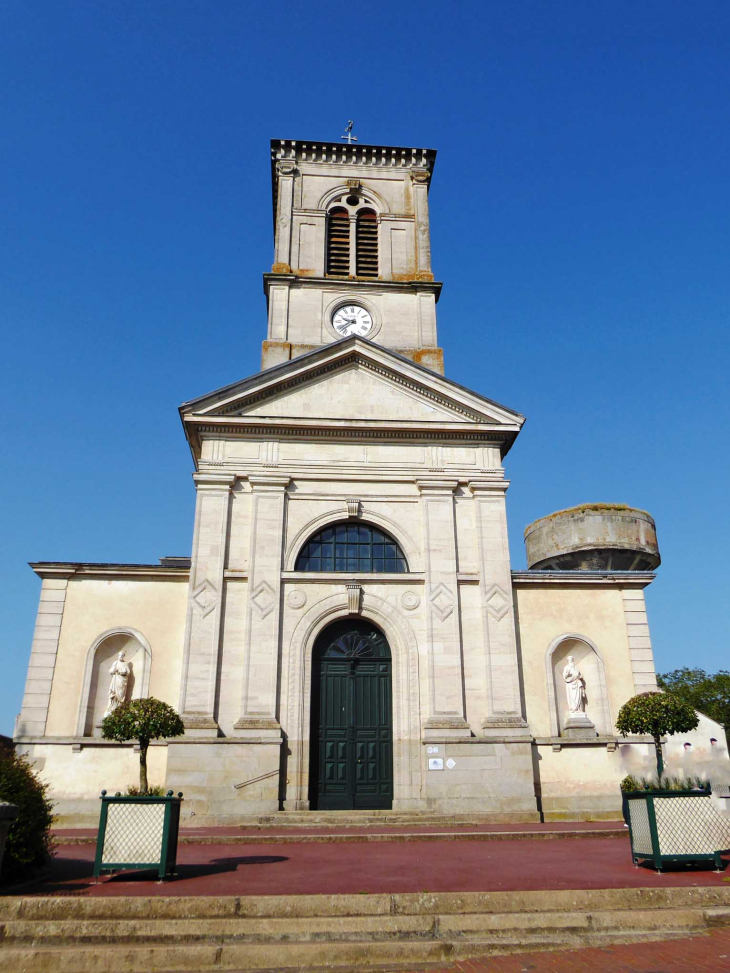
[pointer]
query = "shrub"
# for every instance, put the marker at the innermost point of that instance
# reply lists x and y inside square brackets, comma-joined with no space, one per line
[631,783]
[142,720]
[28,843]
[156,790]
[656,714]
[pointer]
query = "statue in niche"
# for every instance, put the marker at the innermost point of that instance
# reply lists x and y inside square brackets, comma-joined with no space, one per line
[119,672]
[575,688]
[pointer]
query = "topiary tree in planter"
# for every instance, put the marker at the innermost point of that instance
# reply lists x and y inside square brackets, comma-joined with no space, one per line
[142,720]
[657,714]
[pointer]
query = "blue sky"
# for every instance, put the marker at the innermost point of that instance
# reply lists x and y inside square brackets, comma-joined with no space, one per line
[580,215]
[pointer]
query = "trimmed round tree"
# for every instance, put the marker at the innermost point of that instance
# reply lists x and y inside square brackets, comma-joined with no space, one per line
[658,715]
[142,720]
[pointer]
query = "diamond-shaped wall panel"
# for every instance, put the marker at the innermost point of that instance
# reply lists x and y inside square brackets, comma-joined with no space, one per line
[497,602]
[442,601]
[205,598]
[263,598]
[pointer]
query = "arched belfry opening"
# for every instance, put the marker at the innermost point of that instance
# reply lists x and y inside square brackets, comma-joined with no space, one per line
[338,242]
[366,236]
[351,757]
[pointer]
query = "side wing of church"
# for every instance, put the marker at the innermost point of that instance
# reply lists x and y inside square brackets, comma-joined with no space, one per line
[348,633]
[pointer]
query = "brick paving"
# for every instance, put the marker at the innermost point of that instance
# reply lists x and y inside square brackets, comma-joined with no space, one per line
[697,954]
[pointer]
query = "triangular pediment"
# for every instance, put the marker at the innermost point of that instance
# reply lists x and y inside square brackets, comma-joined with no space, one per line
[354,391]
[352,380]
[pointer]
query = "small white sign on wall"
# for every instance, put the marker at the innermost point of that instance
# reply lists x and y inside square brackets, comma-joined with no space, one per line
[432,749]
[435,763]
[451,763]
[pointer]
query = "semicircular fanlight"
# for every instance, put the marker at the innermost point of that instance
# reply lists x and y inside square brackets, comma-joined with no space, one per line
[352,547]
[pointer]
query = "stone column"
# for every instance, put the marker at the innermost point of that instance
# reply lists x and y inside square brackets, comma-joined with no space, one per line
[423,231]
[446,676]
[205,595]
[261,648]
[504,710]
[285,173]
[43,654]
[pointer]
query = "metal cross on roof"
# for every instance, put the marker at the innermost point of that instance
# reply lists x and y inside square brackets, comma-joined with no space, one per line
[348,134]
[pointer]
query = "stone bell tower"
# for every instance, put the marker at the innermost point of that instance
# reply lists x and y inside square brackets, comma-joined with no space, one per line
[352,250]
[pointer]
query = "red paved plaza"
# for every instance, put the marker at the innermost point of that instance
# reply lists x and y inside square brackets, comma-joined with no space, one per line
[413,866]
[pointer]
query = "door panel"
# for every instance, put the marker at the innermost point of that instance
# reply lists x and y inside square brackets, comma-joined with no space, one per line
[352,753]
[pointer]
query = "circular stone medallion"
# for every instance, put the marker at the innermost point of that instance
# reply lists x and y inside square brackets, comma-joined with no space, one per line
[410,600]
[296,598]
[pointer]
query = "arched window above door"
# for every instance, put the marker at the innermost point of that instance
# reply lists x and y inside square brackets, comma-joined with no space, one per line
[352,547]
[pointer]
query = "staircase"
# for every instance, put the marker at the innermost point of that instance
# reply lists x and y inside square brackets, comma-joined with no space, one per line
[361,819]
[128,934]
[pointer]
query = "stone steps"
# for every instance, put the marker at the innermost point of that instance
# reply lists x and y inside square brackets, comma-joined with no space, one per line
[266,837]
[351,819]
[123,934]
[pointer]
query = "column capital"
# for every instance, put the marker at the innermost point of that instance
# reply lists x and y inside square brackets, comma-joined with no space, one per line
[214,481]
[436,488]
[269,484]
[488,488]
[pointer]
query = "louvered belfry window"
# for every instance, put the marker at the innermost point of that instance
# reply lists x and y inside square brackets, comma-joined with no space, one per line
[338,242]
[367,244]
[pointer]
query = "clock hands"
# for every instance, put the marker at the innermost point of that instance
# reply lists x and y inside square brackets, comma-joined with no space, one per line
[351,320]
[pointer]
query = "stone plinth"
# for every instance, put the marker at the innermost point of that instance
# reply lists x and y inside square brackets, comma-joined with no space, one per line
[579,727]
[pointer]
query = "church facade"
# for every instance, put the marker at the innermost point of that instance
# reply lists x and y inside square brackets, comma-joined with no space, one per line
[348,632]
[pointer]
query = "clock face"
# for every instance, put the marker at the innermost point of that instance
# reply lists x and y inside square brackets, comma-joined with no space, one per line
[352,319]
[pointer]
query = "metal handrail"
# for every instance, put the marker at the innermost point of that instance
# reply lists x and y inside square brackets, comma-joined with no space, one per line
[254,780]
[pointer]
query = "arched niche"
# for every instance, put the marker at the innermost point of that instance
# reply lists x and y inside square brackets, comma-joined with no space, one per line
[99,659]
[590,662]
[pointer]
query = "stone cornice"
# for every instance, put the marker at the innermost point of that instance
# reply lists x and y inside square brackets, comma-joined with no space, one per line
[344,577]
[85,569]
[349,429]
[346,283]
[342,153]
[582,579]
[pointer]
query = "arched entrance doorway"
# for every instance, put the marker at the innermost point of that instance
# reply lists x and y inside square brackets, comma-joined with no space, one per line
[351,758]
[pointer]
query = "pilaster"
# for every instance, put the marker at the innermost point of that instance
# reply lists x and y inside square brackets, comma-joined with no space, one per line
[423,230]
[285,205]
[639,639]
[446,675]
[501,664]
[43,654]
[261,646]
[205,596]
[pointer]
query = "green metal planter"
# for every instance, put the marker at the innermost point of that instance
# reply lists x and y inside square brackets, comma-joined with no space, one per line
[676,826]
[138,832]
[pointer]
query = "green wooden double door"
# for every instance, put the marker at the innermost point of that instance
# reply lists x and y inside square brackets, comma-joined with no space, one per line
[351,760]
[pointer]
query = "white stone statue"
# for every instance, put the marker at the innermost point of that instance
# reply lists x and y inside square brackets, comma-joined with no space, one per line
[575,688]
[118,685]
